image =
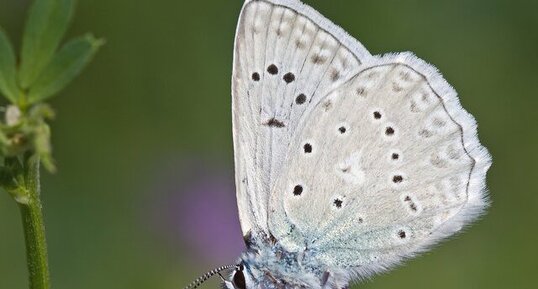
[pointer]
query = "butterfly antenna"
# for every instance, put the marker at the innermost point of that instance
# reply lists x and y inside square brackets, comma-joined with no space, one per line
[208,275]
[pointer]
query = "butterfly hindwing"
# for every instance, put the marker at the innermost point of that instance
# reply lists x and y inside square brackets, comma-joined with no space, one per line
[383,166]
[284,61]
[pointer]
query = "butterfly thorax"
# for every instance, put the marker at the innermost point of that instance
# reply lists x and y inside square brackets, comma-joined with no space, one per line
[268,265]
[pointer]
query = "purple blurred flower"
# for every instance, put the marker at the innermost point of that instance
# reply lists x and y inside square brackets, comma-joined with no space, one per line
[197,210]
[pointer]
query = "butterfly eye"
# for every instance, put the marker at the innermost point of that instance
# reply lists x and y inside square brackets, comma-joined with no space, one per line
[239,279]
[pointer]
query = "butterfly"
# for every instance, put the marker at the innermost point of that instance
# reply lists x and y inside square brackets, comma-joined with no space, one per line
[346,163]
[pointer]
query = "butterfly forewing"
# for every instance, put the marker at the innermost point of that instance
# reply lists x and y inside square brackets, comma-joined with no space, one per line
[285,61]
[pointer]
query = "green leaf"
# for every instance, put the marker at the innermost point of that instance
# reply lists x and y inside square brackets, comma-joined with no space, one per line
[45,27]
[8,76]
[65,65]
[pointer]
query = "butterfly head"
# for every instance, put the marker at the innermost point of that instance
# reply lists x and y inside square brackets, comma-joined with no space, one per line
[246,277]
[238,279]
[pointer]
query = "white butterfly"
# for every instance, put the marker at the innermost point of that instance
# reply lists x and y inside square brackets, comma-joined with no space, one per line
[346,163]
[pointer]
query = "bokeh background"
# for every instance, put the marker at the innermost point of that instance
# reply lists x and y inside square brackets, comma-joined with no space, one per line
[144,195]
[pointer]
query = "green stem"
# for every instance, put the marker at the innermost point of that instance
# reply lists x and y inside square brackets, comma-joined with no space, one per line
[34,228]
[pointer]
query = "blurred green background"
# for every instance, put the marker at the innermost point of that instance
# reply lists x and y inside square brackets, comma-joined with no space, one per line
[148,126]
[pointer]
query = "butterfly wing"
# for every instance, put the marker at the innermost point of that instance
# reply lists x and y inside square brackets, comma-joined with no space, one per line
[284,61]
[387,164]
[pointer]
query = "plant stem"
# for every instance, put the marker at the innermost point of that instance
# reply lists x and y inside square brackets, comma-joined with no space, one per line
[34,228]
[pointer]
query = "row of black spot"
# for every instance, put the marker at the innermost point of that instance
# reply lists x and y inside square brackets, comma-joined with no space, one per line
[273,70]
[377,115]
[298,190]
[288,78]
[389,131]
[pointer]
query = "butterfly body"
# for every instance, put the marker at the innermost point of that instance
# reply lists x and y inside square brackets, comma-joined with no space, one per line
[346,163]
[267,265]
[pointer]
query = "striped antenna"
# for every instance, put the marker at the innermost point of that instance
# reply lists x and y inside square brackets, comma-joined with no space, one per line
[207,275]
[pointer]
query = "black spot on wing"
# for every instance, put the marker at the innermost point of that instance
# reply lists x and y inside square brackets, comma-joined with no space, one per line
[301,98]
[397,179]
[297,190]
[338,203]
[275,123]
[307,148]
[256,76]
[289,77]
[272,69]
